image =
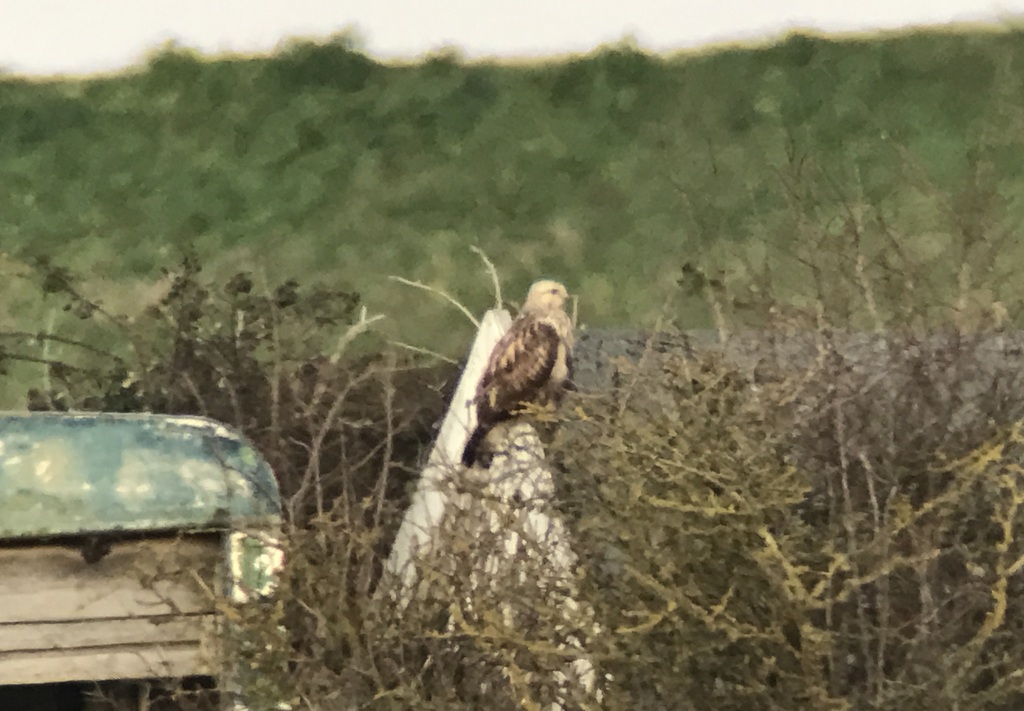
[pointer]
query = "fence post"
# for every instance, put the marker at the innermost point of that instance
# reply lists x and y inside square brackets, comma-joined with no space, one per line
[419,528]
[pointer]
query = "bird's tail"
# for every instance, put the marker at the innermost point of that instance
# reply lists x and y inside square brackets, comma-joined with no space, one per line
[472,446]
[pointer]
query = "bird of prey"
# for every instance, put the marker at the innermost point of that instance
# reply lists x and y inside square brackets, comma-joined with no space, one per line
[531,364]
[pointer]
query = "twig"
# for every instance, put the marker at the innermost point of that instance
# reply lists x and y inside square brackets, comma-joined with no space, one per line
[354,331]
[389,440]
[48,362]
[276,370]
[46,336]
[498,303]
[424,351]
[45,349]
[443,294]
[648,349]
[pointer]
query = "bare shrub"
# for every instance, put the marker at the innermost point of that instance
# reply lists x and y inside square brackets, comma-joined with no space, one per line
[819,514]
[680,494]
[345,428]
[823,524]
[816,506]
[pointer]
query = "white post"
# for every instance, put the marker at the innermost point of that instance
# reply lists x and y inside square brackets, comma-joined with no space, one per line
[535,548]
[510,517]
[419,527]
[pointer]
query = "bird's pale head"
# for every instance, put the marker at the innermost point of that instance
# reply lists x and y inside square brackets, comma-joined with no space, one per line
[545,296]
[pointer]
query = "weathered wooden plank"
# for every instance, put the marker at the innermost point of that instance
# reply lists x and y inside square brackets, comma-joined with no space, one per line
[168,629]
[138,578]
[102,663]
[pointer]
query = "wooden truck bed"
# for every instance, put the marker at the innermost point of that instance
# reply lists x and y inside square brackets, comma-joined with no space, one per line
[143,610]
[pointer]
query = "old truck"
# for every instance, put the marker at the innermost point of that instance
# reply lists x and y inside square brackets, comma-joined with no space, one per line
[122,538]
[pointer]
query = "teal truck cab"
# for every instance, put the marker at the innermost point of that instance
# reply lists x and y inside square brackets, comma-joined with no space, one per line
[122,539]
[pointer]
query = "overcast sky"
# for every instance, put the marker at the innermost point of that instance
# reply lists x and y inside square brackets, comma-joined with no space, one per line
[84,36]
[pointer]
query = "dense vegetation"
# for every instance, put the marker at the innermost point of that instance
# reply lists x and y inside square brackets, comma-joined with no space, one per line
[610,170]
[820,531]
[832,529]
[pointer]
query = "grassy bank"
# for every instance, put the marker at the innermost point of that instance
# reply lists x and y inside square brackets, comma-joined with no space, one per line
[611,171]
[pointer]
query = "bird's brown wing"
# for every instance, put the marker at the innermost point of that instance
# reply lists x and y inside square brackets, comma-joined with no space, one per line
[520,366]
